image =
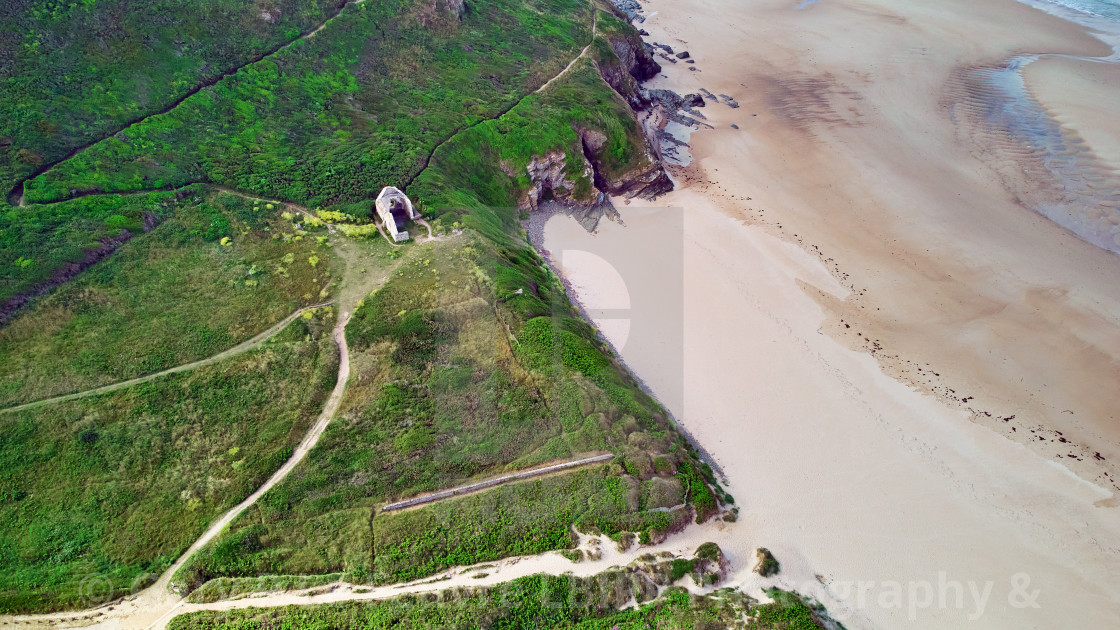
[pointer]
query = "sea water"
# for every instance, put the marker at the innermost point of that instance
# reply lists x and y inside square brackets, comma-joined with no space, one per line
[1104,8]
[1085,194]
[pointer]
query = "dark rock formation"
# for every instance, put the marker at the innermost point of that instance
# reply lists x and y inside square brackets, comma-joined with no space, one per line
[683,54]
[637,63]
[765,563]
[646,182]
[631,9]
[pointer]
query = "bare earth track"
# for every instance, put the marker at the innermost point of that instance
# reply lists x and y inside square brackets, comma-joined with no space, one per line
[244,346]
[156,604]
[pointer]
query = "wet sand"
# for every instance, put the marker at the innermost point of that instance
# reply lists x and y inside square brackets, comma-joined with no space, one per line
[901,369]
[1082,95]
[851,151]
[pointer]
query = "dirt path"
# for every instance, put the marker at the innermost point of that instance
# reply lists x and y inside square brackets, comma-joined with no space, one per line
[582,53]
[309,441]
[490,574]
[244,346]
[497,481]
[428,159]
[157,603]
[295,206]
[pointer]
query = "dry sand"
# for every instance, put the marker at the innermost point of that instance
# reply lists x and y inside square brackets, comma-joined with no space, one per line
[850,204]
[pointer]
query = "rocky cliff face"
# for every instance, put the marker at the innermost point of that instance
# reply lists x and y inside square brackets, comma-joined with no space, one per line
[584,192]
[635,64]
[551,178]
[647,181]
[455,7]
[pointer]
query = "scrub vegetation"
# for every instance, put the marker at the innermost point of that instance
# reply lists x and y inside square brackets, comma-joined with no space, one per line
[119,485]
[538,601]
[335,117]
[74,71]
[217,270]
[469,361]
[442,393]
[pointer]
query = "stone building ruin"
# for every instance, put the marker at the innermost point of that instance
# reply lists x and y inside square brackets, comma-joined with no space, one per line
[395,210]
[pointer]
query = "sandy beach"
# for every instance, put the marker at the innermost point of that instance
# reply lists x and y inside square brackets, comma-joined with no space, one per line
[906,373]
[1082,95]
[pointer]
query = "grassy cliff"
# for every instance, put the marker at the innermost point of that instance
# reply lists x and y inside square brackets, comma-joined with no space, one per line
[468,361]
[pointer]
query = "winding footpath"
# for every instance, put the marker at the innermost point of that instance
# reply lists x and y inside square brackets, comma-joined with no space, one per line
[309,441]
[154,606]
[582,54]
[157,603]
[244,346]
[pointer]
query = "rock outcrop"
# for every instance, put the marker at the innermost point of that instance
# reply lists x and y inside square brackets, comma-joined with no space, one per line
[765,563]
[647,181]
[552,180]
[635,63]
[578,180]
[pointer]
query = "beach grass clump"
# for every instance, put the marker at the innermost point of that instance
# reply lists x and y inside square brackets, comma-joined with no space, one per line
[766,565]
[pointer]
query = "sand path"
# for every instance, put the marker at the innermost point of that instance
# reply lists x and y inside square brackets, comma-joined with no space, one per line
[156,603]
[244,346]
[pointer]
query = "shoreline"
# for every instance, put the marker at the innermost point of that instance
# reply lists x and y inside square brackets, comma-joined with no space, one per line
[903,362]
[534,228]
[987,320]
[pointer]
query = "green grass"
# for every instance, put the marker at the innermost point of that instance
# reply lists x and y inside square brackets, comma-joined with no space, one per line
[469,362]
[336,117]
[43,245]
[485,165]
[438,397]
[168,297]
[74,71]
[537,601]
[120,484]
